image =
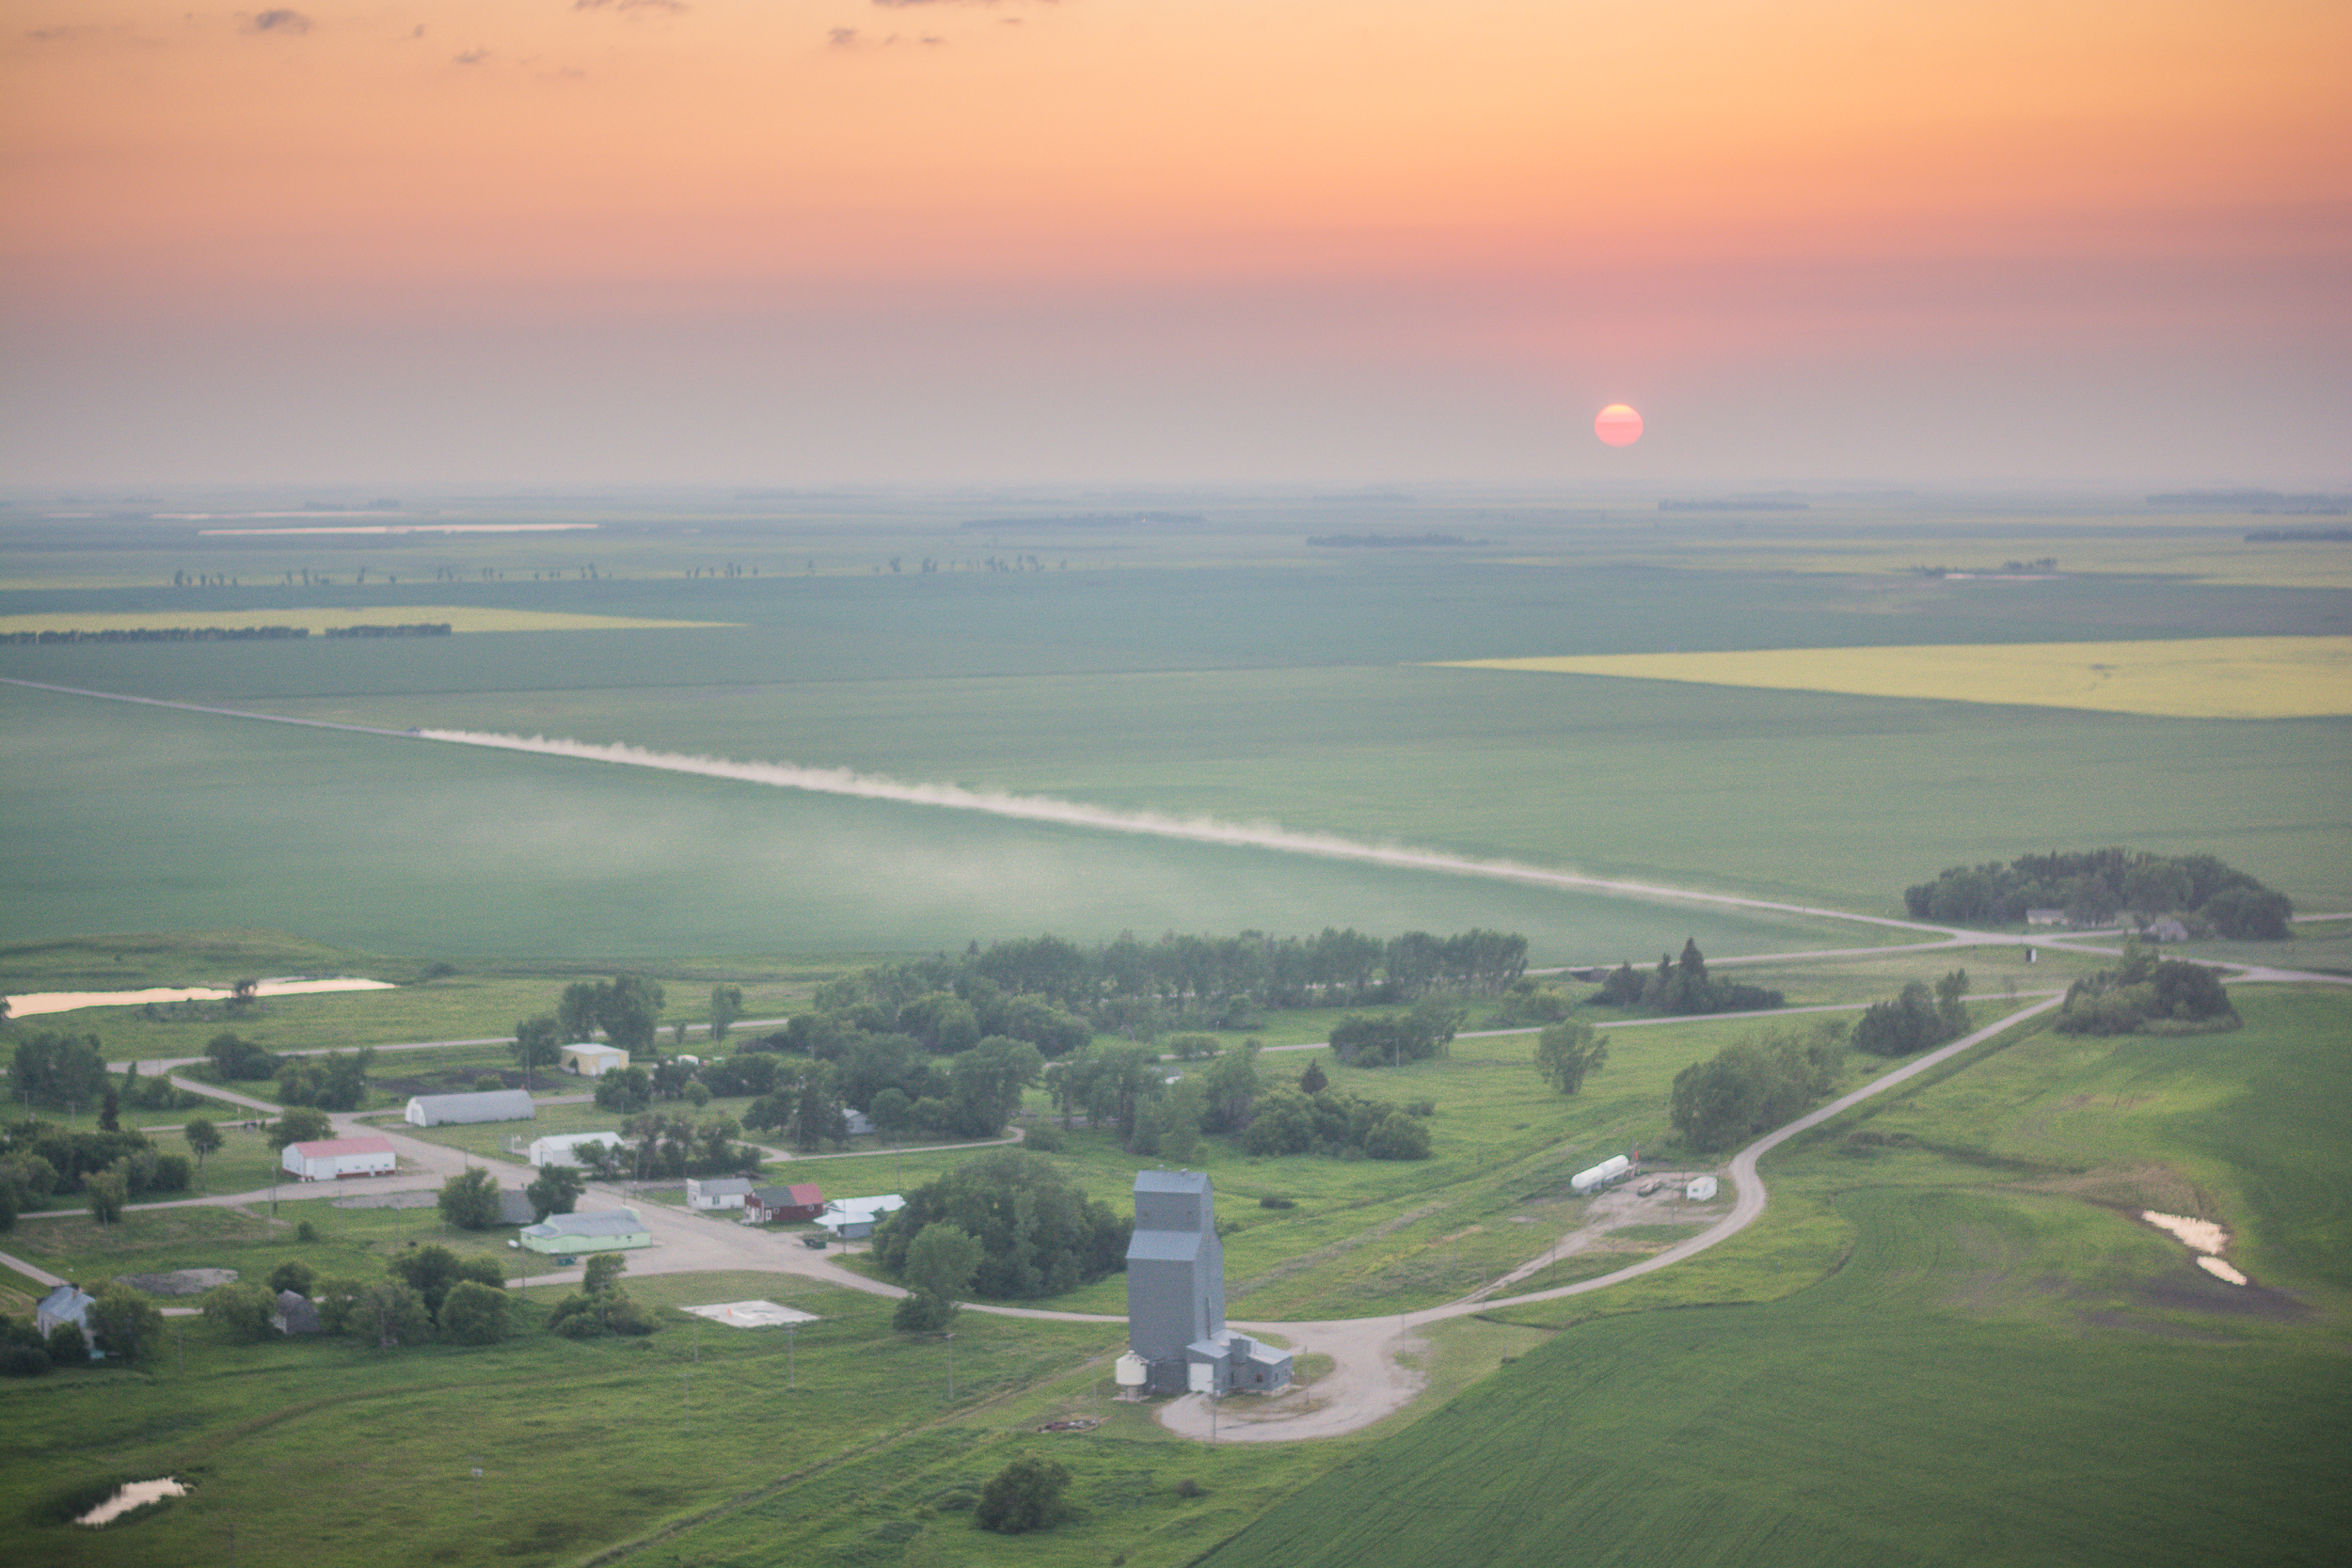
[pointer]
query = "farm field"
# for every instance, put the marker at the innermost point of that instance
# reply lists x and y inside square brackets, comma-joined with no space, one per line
[2062,1366]
[2227,677]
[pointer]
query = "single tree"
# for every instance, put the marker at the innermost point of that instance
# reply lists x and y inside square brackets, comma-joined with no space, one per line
[556,1190]
[726,1005]
[204,1138]
[387,1312]
[107,1193]
[124,1323]
[941,1261]
[470,1200]
[293,1275]
[1313,1080]
[538,1042]
[474,1314]
[1569,1050]
[1025,1495]
[241,1310]
[301,1125]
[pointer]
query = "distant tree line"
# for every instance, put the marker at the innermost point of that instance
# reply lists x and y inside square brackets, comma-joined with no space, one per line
[1680,987]
[2147,996]
[419,628]
[162,634]
[2095,886]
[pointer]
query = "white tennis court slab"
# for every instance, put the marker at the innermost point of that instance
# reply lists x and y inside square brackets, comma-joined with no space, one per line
[752,1314]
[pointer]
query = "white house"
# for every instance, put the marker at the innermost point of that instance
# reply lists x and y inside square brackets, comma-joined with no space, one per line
[593,1061]
[850,1219]
[432,1110]
[333,1159]
[561,1149]
[67,1304]
[718,1192]
[858,1122]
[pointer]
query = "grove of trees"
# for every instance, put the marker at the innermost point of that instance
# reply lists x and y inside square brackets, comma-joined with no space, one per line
[1038,1234]
[1915,1020]
[2096,886]
[1753,1085]
[1680,987]
[2148,995]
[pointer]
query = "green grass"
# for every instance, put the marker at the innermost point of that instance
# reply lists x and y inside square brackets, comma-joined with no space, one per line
[2066,1385]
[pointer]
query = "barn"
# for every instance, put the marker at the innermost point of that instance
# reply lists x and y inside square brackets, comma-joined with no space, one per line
[562,1149]
[851,1219]
[802,1200]
[336,1158]
[433,1110]
[605,1230]
[593,1061]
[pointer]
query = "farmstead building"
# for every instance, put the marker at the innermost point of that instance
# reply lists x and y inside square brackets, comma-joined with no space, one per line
[593,1061]
[1176,1295]
[436,1110]
[333,1159]
[605,1230]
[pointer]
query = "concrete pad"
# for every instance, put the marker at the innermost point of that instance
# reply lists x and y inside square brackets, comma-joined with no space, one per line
[752,1314]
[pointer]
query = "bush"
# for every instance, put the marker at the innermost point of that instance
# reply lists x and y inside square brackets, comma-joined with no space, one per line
[242,1311]
[67,1346]
[305,1231]
[470,1200]
[1270,1201]
[293,1275]
[473,1314]
[23,1361]
[921,1312]
[1044,1138]
[1025,1495]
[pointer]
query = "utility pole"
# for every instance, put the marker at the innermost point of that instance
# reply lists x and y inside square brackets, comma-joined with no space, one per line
[791,1356]
[951,1368]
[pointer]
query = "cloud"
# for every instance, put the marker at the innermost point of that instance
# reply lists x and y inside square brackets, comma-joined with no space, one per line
[279,20]
[471,56]
[672,6]
[841,37]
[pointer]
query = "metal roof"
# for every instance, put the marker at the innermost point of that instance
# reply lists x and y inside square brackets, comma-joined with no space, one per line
[1165,1246]
[1171,1182]
[604,1222]
[324,1146]
[487,1105]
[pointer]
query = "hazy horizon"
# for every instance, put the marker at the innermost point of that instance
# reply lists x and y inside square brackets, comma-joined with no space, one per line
[859,242]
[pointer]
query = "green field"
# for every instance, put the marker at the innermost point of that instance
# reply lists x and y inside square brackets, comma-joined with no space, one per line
[2057,1368]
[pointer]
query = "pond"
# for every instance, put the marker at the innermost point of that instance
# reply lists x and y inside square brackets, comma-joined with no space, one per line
[66,1001]
[137,1494]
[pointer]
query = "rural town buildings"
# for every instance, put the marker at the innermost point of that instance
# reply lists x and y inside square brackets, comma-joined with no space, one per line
[562,1149]
[433,1110]
[67,1304]
[718,1192]
[334,1158]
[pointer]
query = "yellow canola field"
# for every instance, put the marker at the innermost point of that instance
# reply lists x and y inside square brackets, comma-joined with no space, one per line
[460,618]
[2213,677]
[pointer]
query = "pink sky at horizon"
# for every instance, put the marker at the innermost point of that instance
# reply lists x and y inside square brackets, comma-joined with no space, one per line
[792,241]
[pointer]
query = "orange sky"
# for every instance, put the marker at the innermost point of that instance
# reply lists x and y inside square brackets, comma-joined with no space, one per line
[1571,198]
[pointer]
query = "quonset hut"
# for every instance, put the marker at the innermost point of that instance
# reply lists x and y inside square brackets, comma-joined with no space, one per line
[1176,1295]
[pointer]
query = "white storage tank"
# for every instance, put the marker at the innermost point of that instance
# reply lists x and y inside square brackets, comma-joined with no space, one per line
[1600,1175]
[1699,1188]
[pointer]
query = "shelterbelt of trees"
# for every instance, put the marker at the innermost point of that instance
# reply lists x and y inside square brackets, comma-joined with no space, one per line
[2095,886]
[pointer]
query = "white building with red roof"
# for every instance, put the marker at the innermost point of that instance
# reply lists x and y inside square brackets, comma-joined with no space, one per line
[332,1159]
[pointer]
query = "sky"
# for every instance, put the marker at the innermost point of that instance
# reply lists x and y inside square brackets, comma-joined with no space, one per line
[1082,240]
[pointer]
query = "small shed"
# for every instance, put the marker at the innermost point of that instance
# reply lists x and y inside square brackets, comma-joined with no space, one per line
[605,1230]
[2167,929]
[294,1314]
[802,1200]
[1699,1189]
[593,1061]
[67,1304]
[339,1159]
[516,1207]
[2045,917]
[858,1123]
[433,1110]
[561,1149]
[851,1219]
[718,1192]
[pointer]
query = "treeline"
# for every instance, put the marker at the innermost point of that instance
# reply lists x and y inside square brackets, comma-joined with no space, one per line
[2147,996]
[2094,886]
[1917,1018]
[1143,988]
[109,1167]
[1390,541]
[162,634]
[334,1082]
[1753,1085]
[419,628]
[1680,987]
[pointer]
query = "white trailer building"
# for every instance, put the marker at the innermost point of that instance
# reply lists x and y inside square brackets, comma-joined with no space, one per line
[850,1219]
[1699,1189]
[336,1158]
